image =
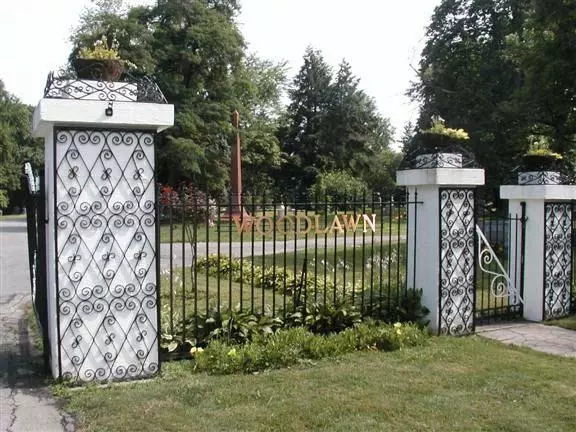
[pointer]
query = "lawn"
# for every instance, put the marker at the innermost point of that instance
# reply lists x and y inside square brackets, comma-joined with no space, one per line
[462,384]
[567,323]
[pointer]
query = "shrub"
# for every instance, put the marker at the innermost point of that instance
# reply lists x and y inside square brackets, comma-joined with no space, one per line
[292,346]
[338,187]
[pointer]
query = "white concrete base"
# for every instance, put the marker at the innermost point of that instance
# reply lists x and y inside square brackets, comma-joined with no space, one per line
[90,113]
[100,236]
[424,254]
[457,177]
[535,197]
[539,192]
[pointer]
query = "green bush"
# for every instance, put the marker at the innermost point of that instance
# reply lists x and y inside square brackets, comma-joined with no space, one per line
[338,187]
[324,318]
[292,346]
[399,307]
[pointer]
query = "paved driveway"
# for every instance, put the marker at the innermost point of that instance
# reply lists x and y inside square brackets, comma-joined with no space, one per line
[25,403]
[259,248]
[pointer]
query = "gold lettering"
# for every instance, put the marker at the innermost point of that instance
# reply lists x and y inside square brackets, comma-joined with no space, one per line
[261,221]
[308,224]
[371,223]
[243,224]
[317,225]
[336,225]
[351,224]
[280,225]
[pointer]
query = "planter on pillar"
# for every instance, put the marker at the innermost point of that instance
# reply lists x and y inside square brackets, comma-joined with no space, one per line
[102,266]
[441,243]
[548,261]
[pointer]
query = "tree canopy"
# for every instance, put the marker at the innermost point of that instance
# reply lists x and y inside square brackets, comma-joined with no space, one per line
[500,70]
[16,147]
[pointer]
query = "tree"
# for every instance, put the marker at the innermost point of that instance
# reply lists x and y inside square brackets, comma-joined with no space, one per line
[16,147]
[467,76]
[331,124]
[300,137]
[545,51]
[196,54]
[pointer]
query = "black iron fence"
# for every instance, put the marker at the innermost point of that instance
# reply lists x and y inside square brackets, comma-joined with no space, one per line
[272,258]
[499,266]
[573,290]
[36,230]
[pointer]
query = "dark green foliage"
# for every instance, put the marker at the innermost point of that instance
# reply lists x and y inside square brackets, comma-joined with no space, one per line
[293,346]
[331,126]
[196,54]
[231,326]
[501,71]
[317,317]
[399,307]
[16,147]
[338,187]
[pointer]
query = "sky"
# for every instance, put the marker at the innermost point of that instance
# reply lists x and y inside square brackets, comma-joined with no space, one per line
[381,39]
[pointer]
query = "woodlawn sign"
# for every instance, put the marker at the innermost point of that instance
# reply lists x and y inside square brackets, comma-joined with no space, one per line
[305,224]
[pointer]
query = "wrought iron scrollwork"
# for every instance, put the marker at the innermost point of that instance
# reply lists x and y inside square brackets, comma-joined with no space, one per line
[557,259]
[66,85]
[448,156]
[105,254]
[501,286]
[457,261]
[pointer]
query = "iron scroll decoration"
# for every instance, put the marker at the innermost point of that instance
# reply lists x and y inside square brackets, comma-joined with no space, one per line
[107,281]
[457,269]
[557,259]
[130,88]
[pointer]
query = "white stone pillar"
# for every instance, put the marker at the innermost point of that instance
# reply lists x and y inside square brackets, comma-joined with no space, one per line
[547,247]
[101,231]
[441,245]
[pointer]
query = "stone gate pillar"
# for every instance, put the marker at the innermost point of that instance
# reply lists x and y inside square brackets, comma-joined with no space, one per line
[101,226]
[441,243]
[547,245]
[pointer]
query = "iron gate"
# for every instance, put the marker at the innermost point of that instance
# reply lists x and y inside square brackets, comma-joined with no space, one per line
[36,230]
[499,262]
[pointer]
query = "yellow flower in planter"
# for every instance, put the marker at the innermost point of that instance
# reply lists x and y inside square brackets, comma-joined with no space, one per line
[439,128]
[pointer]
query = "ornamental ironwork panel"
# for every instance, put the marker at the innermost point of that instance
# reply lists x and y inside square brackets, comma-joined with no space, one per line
[457,281]
[106,254]
[64,85]
[557,259]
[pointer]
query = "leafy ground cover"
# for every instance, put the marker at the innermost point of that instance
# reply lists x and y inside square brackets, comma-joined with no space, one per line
[464,384]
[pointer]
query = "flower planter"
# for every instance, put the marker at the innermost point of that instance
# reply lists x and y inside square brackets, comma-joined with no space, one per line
[528,178]
[531,163]
[439,160]
[101,70]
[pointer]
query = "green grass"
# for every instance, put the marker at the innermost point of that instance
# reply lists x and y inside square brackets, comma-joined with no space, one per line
[460,384]
[12,217]
[567,323]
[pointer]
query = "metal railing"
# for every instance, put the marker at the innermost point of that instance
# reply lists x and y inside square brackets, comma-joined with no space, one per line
[272,256]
